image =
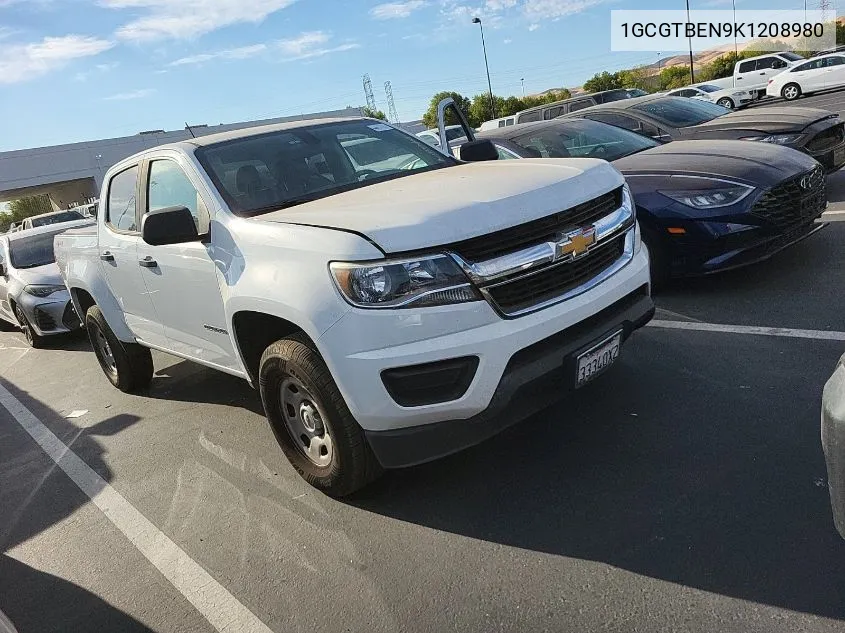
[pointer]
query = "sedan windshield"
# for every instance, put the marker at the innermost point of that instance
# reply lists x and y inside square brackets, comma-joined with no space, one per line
[56,218]
[32,250]
[260,173]
[578,138]
[679,112]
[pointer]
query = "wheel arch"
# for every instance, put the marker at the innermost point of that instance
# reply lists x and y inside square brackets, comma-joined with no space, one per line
[254,331]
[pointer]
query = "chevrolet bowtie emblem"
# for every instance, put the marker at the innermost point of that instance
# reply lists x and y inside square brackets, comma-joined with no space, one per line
[575,244]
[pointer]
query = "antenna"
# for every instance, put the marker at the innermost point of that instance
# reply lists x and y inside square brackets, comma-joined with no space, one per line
[368,93]
[392,115]
[188,127]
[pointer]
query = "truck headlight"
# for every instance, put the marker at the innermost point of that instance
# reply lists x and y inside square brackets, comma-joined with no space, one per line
[777,139]
[42,290]
[417,282]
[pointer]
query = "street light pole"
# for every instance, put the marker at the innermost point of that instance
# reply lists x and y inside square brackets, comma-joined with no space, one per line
[487,66]
[691,71]
[523,87]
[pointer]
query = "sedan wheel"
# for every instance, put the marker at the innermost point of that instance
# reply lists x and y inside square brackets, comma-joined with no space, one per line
[725,102]
[32,338]
[791,92]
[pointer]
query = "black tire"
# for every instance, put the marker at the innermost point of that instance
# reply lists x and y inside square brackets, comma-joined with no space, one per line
[791,92]
[128,366]
[726,102]
[32,337]
[350,465]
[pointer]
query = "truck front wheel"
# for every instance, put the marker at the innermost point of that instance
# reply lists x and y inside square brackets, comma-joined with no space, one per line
[128,366]
[311,421]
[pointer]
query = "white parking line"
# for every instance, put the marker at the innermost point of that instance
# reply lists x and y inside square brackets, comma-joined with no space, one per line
[820,335]
[222,610]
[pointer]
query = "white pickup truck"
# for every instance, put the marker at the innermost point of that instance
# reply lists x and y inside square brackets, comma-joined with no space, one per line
[753,73]
[392,304]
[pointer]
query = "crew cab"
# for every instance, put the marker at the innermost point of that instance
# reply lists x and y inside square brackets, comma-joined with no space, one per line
[390,309]
[753,73]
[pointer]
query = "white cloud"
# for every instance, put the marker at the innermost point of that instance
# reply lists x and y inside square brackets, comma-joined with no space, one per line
[508,41]
[533,27]
[244,52]
[128,96]
[494,12]
[537,10]
[22,62]
[186,19]
[396,10]
[305,46]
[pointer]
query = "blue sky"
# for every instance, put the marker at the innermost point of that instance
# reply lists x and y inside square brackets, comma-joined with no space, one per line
[72,70]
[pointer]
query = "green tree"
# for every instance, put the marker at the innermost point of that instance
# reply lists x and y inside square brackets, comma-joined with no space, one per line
[479,109]
[373,114]
[430,116]
[674,77]
[602,81]
[24,208]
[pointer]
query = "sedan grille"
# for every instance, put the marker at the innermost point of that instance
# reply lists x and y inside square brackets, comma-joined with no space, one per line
[827,139]
[798,199]
[530,233]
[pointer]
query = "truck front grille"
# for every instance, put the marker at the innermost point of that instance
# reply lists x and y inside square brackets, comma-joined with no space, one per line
[799,199]
[524,292]
[517,237]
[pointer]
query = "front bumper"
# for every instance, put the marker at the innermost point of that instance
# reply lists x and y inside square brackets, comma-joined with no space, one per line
[718,254]
[826,143]
[833,442]
[534,378]
[49,315]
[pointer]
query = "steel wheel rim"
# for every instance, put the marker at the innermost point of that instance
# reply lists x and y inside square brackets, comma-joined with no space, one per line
[25,327]
[305,422]
[104,352]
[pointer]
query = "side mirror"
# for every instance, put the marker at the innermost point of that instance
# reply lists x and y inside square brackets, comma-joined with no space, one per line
[477,151]
[171,225]
[443,107]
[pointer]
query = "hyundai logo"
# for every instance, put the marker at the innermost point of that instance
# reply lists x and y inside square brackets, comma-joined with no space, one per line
[806,182]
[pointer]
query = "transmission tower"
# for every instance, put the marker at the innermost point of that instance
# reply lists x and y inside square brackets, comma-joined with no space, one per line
[392,116]
[368,93]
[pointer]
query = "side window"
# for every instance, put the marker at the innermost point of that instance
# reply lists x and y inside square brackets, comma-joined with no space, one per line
[619,120]
[764,63]
[779,63]
[553,113]
[528,117]
[121,210]
[504,154]
[580,105]
[747,67]
[834,61]
[170,187]
[502,123]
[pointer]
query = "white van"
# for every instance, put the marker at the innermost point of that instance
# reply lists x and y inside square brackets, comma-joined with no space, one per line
[497,123]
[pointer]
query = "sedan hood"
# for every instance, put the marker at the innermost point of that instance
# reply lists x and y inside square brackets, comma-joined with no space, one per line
[43,275]
[770,120]
[760,164]
[456,203]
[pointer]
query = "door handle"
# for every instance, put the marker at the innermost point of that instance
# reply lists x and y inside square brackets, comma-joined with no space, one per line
[148,262]
[106,256]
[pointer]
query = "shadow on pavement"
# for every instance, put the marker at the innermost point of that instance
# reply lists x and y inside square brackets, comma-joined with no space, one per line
[35,494]
[37,602]
[696,471]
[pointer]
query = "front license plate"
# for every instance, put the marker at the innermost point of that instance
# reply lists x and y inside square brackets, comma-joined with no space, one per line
[598,358]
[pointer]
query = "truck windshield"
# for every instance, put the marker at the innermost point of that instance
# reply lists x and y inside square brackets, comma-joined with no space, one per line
[680,112]
[32,250]
[260,173]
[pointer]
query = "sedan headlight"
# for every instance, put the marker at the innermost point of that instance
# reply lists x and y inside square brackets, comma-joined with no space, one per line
[421,281]
[777,139]
[42,290]
[711,198]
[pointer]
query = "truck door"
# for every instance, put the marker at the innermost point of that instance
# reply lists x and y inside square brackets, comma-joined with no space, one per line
[118,237]
[767,67]
[182,278]
[744,76]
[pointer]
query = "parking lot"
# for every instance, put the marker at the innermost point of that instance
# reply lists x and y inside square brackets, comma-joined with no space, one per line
[684,490]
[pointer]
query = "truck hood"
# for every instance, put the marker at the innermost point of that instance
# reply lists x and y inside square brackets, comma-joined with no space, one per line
[755,163]
[456,203]
[45,275]
[774,119]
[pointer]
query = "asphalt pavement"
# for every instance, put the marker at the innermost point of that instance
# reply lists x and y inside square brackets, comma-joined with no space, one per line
[684,490]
